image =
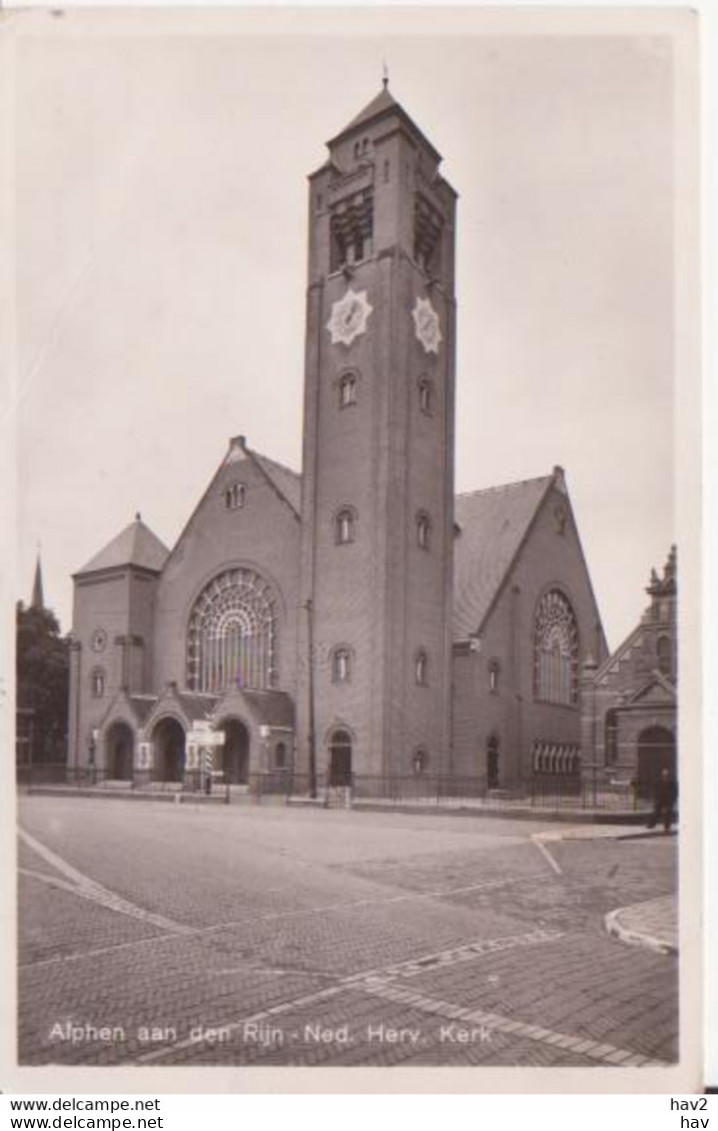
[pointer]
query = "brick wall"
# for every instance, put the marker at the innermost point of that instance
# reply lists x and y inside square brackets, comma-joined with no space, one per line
[548,559]
[262,535]
[381,596]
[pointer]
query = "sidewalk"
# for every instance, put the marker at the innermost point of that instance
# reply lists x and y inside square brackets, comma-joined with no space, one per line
[653,924]
[457,807]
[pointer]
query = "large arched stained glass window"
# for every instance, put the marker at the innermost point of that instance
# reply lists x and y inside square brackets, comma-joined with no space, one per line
[556,650]
[232,634]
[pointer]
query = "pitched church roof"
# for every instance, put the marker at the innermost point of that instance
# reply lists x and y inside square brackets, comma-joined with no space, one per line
[492,525]
[381,104]
[287,482]
[135,545]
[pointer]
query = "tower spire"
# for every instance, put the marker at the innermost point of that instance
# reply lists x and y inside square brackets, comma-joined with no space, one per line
[38,600]
[384,74]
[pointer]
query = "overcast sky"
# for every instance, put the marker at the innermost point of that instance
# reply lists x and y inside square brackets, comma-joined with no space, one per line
[162,222]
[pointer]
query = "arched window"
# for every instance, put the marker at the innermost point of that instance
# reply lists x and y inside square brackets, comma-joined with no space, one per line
[494,677]
[347,390]
[341,665]
[232,634]
[611,738]
[421,668]
[426,398]
[97,682]
[556,650]
[423,530]
[234,496]
[664,651]
[344,526]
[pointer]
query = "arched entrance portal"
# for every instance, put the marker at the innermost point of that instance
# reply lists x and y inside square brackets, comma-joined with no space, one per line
[340,758]
[119,745]
[656,751]
[235,752]
[169,743]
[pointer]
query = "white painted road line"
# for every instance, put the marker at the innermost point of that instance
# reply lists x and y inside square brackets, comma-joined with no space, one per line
[368,981]
[87,888]
[594,1050]
[538,840]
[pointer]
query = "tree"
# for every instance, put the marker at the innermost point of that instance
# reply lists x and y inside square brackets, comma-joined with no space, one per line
[43,673]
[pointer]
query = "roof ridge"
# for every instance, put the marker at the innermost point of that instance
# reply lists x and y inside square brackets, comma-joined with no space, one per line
[617,655]
[503,486]
[275,463]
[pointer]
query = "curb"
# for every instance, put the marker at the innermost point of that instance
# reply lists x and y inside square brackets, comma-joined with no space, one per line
[524,813]
[126,795]
[565,816]
[636,938]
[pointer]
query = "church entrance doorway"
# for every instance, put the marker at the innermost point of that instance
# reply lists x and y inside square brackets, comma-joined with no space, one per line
[656,751]
[492,763]
[340,758]
[119,745]
[235,756]
[169,743]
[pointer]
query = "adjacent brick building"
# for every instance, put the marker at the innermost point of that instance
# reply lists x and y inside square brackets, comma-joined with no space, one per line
[629,700]
[358,618]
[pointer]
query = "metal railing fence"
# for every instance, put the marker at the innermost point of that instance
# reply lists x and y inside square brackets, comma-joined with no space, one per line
[545,793]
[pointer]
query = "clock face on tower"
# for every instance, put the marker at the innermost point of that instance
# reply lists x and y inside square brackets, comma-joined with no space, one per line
[426,324]
[349,317]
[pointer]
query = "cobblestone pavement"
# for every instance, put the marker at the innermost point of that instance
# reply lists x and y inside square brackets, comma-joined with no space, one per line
[160,934]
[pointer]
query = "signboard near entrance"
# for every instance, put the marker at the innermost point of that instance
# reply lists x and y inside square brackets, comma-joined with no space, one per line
[205,737]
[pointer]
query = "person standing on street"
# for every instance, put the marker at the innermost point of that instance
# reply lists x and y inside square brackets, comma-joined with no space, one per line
[664,800]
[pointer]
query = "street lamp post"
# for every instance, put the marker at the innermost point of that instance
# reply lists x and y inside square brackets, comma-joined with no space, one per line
[312,735]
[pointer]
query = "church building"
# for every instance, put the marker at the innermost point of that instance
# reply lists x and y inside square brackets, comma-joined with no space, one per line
[359,620]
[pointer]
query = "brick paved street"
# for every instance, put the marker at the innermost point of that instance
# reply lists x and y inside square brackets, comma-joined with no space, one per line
[162,934]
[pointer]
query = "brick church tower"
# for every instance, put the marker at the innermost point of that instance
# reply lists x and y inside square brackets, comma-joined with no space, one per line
[377,507]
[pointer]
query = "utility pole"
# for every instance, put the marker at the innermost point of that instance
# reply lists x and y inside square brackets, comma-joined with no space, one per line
[312,736]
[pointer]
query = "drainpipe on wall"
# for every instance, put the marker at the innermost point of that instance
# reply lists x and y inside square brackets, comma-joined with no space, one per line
[312,734]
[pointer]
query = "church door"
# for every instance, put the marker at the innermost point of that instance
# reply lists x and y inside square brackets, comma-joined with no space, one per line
[340,758]
[118,747]
[169,743]
[235,758]
[656,751]
[492,762]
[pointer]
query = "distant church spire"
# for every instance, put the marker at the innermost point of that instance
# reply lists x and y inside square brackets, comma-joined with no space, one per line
[38,600]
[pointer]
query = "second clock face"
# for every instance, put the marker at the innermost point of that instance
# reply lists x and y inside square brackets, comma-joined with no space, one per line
[349,317]
[426,325]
